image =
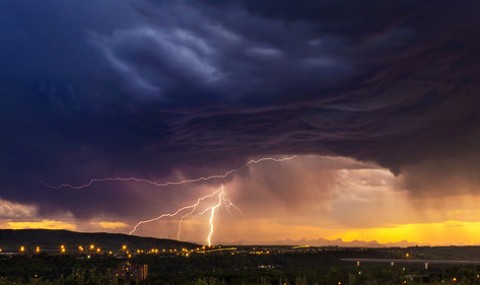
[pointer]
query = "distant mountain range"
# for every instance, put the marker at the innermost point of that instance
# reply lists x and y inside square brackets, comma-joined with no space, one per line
[336,242]
[51,240]
[341,243]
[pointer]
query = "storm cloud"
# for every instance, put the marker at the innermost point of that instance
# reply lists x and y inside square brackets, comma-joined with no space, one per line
[168,89]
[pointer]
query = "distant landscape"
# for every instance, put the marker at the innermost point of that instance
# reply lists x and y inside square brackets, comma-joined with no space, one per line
[51,240]
[94,258]
[340,242]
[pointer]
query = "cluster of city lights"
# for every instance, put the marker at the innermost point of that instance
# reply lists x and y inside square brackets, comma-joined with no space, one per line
[123,250]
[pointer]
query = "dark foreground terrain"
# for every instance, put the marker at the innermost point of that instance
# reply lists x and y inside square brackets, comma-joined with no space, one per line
[169,262]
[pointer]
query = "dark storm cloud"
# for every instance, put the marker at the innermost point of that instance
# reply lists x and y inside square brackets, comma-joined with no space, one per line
[148,88]
[217,54]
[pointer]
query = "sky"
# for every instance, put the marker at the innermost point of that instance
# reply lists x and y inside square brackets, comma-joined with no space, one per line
[367,112]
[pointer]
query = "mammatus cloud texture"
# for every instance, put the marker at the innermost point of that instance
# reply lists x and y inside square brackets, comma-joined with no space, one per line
[172,89]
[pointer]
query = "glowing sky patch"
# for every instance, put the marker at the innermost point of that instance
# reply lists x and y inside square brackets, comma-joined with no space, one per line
[10,209]
[42,224]
[444,233]
[112,225]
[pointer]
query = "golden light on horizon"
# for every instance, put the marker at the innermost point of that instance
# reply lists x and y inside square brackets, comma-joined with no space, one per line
[43,224]
[37,249]
[112,225]
[441,233]
[22,248]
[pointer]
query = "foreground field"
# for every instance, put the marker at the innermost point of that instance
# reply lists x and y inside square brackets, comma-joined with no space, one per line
[251,265]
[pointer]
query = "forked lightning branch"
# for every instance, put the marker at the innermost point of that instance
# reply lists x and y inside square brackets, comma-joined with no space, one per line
[202,206]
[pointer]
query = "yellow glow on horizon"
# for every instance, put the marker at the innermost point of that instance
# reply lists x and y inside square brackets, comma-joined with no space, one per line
[267,231]
[43,224]
[442,233]
[112,225]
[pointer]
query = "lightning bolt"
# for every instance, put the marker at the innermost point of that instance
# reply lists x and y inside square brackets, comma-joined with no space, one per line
[187,211]
[169,183]
[222,201]
[212,216]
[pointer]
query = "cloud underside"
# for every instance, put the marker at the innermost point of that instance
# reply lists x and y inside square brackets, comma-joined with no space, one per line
[334,198]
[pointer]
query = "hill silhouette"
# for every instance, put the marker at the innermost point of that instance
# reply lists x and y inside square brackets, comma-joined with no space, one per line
[50,240]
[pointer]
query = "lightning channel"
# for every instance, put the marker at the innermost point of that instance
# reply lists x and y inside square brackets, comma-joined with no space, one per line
[169,183]
[221,201]
[194,210]
[193,207]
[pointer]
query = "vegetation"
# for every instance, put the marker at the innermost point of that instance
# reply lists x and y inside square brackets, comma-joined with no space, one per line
[213,269]
[50,240]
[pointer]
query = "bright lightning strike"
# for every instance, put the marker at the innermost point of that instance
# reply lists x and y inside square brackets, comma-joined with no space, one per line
[222,201]
[169,183]
[187,211]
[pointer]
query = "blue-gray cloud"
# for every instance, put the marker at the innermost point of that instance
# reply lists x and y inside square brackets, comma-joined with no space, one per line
[189,46]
